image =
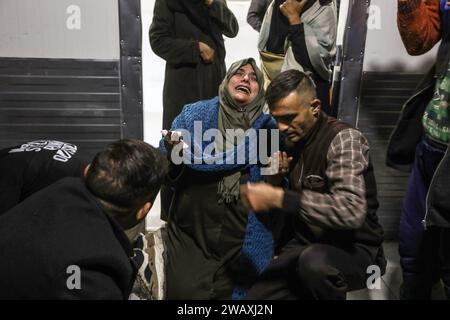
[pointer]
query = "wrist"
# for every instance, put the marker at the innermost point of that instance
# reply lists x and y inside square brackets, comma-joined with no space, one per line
[294,20]
[278,198]
[291,202]
[275,180]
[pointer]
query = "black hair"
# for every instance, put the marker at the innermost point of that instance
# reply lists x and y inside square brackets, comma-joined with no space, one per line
[286,82]
[127,173]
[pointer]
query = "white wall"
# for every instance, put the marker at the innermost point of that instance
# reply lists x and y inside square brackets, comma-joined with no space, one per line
[384,48]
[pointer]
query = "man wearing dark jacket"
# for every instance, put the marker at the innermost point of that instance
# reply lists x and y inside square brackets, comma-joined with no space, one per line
[330,197]
[31,166]
[67,241]
[419,142]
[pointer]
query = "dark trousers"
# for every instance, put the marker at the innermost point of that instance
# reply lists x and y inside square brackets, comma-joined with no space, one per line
[423,253]
[316,271]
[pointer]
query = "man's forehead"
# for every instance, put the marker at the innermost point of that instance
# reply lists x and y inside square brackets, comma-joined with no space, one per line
[283,111]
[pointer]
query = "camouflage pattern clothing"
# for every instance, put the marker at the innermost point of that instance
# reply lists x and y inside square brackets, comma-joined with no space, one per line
[435,120]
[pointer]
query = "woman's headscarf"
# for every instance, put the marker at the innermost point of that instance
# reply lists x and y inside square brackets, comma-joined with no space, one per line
[234,116]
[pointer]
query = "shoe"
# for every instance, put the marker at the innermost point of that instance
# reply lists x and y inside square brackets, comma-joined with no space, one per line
[148,257]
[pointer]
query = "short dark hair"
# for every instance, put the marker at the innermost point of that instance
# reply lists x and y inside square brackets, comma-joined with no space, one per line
[286,82]
[127,173]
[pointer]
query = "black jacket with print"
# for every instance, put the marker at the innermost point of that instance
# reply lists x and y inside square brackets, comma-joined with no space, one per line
[31,166]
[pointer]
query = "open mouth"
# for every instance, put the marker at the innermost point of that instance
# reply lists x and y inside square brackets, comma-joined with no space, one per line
[243,89]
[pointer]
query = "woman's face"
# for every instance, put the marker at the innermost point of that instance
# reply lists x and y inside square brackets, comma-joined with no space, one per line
[243,85]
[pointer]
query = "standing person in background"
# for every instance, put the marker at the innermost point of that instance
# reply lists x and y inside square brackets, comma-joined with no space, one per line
[256,13]
[300,35]
[419,142]
[188,35]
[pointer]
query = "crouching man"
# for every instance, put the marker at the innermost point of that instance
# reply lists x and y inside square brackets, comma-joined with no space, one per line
[67,241]
[330,198]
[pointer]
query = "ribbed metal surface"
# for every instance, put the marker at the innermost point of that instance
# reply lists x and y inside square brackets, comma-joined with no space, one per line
[76,101]
[383,95]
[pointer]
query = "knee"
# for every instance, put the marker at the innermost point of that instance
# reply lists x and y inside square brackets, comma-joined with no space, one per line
[311,264]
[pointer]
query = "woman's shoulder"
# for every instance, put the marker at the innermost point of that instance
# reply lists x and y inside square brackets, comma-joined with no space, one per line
[201,108]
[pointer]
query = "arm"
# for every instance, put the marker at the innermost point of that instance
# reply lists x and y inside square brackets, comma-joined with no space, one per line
[297,37]
[313,41]
[163,41]
[226,20]
[256,13]
[419,24]
[345,206]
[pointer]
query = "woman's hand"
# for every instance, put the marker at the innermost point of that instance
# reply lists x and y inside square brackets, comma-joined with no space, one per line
[284,165]
[171,140]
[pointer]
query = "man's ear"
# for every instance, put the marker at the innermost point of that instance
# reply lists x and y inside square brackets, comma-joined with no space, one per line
[86,170]
[143,211]
[316,105]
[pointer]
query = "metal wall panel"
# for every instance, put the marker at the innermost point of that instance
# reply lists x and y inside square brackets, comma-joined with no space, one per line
[89,102]
[352,62]
[383,95]
[131,68]
[71,100]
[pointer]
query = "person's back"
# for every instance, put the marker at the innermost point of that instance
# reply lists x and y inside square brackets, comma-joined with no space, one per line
[31,166]
[67,241]
[55,230]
